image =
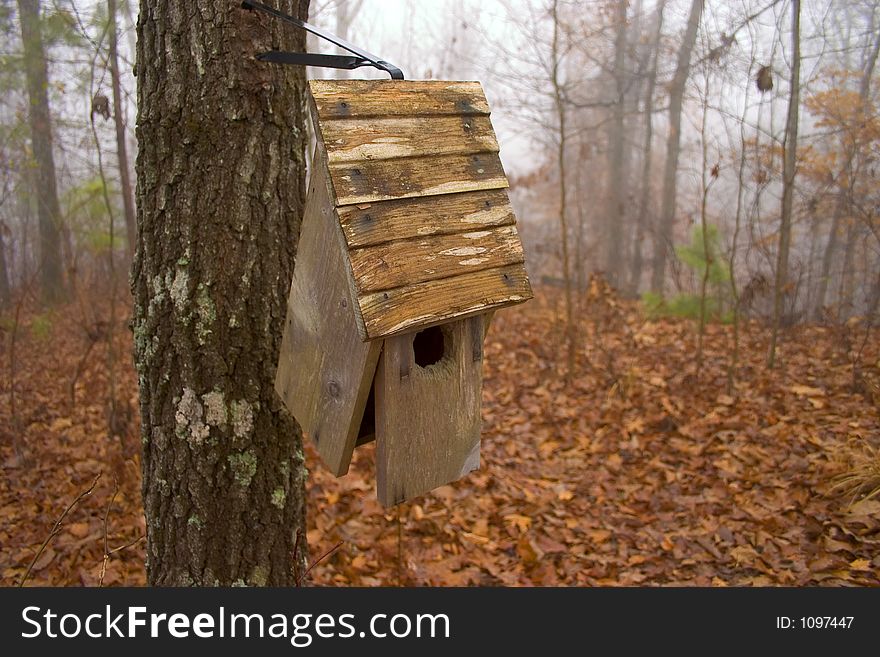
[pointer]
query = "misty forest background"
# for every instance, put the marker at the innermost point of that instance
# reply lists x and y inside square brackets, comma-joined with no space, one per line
[691,398]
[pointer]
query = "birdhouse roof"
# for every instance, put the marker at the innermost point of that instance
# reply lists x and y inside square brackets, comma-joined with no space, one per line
[421,197]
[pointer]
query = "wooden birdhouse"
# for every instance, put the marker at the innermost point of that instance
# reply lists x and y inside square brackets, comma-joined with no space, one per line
[408,244]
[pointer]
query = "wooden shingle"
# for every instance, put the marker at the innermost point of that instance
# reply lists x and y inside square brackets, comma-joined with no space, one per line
[420,195]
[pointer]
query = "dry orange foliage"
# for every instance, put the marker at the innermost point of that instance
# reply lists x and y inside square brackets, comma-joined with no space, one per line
[643,472]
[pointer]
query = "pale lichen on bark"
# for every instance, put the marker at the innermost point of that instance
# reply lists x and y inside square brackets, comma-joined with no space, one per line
[244,467]
[242,418]
[278,497]
[215,408]
[189,418]
[206,313]
[179,290]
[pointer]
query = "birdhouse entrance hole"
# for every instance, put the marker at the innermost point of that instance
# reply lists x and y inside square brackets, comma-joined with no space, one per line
[428,346]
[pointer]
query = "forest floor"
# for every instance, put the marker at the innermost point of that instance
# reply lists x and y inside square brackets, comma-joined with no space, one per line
[644,470]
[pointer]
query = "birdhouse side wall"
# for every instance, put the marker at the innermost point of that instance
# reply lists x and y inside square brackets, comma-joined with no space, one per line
[325,370]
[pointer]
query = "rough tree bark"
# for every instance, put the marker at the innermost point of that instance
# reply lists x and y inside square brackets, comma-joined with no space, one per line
[789,168]
[48,209]
[220,195]
[119,121]
[663,237]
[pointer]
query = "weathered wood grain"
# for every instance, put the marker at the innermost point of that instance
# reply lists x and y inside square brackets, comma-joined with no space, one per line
[374,223]
[395,264]
[417,306]
[428,418]
[354,140]
[341,99]
[421,201]
[324,370]
[487,322]
[382,180]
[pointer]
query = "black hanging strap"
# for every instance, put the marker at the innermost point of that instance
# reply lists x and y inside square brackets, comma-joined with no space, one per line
[360,58]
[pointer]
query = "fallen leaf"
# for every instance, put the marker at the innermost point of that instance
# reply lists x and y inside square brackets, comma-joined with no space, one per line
[527,550]
[520,521]
[806,391]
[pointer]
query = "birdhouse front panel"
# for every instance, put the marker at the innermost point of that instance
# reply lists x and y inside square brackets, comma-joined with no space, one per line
[428,409]
[421,197]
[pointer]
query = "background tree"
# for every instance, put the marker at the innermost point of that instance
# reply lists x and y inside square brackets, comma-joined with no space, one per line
[119,124]
[663,237]
[780,288]
[48,208]
[5,289]
[850,124]
[616,172]
[220,196]
[557,55]
[642,218]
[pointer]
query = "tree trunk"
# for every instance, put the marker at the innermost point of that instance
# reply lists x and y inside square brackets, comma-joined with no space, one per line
[558,95]
[615,215]
[25,209]
[845,178]
[874,298]
[828,255]
[734,242]
[48,209]
[119,120]
[220,197]
[5,290]
[845,305]
[788,172]
[704,226]
[645,187]
[663,238]
[346,10]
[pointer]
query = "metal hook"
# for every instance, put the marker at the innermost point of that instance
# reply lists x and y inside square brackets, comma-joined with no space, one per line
[360,58]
